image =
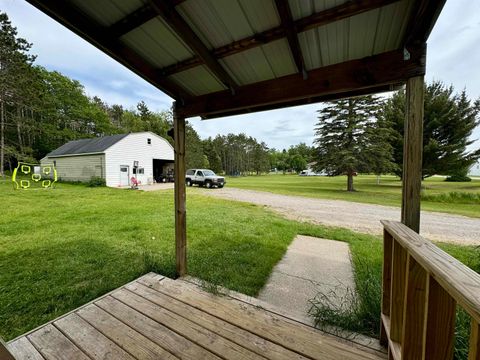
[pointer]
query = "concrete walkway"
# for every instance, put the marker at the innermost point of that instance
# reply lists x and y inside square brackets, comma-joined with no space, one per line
[310,265]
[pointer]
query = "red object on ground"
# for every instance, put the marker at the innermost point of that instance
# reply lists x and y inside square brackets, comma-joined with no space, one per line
[134,181]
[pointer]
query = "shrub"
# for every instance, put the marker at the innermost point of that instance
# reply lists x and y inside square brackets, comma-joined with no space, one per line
[458,178]
[96,181]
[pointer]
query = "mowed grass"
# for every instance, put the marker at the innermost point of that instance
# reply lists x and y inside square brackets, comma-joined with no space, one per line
[64,247]
[61,248]
[437,193]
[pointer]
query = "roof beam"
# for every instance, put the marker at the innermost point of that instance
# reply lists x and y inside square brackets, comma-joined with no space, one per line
[132,21]
[182,29]
[290,30]
[343,11]
[428,10]
[332,81]
[100,37]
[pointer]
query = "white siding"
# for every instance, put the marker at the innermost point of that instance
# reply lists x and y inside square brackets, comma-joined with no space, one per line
[79,167]
[134,147]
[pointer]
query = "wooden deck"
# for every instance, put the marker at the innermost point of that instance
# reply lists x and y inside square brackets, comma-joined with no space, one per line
[158,318]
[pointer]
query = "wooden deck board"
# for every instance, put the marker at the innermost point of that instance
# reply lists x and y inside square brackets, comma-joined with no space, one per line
[158,318]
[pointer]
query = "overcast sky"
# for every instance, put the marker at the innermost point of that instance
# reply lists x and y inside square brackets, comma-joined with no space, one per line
[453,57]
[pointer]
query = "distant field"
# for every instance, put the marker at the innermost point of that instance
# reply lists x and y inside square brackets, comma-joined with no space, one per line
[436,192]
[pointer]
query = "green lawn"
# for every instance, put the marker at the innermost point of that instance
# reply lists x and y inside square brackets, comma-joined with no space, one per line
[61,248]
[388,192]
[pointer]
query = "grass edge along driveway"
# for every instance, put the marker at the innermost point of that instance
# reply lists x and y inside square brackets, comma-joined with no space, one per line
[437,194]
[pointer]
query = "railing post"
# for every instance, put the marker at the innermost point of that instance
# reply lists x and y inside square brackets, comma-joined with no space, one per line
[415,311]
[386,283]
[440,323]
[412,153]
[397,296]
[474,348]
[180,196]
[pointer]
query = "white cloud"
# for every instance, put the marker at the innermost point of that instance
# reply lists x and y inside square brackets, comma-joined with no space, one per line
[453,57]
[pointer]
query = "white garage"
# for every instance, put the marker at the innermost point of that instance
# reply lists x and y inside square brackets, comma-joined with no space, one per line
[116,158]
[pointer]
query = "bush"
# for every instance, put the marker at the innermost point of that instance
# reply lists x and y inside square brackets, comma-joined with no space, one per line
[96,181]
[458,178]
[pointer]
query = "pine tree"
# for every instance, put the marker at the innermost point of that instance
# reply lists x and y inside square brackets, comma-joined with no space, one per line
[449,120]
[349,139]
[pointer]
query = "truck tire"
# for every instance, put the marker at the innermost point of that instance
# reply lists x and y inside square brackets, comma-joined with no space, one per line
[208,184]
[189,182]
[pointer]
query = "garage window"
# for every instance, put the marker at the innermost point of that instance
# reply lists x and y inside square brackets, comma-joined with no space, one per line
[139,171]
[149,141]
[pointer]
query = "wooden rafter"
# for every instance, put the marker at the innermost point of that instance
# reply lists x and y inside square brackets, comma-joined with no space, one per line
[102,38]
[347,77]
[343,11]
[132,21]
[418,31]
[182,29]
[289,28]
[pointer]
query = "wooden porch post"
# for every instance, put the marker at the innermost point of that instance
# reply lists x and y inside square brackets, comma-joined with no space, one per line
[180,198]
[412,153]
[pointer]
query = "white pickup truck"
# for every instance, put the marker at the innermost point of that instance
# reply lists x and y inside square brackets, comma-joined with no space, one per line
[204,177]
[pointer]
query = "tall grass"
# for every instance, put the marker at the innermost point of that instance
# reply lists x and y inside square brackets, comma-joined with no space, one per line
[455,197]
[359,311]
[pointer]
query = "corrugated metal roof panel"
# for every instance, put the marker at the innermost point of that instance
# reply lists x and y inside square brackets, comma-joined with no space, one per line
[198,80]
[85,146]
[108,12]
[366,34]
[303,8]
[218,23]
[157,43]
[266,62]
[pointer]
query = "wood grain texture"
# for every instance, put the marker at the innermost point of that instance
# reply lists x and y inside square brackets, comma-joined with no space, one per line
[22,349]
[461,282]
[195,333]
[397,296]
[221,327]
[474,347]
[53,345]
[5,354]
[131,341]
[90,340]
[386,283]
[295,337]
[440,323]
[174,343]
[415,311]
[412,153]
[180,195]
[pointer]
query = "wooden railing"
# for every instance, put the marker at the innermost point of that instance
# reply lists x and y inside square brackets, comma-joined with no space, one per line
[422,285]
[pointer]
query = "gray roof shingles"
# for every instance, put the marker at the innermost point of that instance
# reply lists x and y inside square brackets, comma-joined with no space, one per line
[85,146]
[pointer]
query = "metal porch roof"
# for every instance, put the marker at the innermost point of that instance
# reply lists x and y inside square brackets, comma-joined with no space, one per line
[206,52]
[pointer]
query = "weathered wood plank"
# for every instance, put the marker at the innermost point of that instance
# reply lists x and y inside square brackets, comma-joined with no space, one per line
[190,330]
[53,345]
[296,337]
[239,336]
[4,352]
[158,333]
[180,194]
[124,336]
[386,282]
[461,282]
[474,347]
[415,311]
[22,349]
[397,296]
[440,323]
[412,153]
[90,340]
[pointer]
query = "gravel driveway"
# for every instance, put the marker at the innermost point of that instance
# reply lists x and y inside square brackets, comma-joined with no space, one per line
[356,216]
